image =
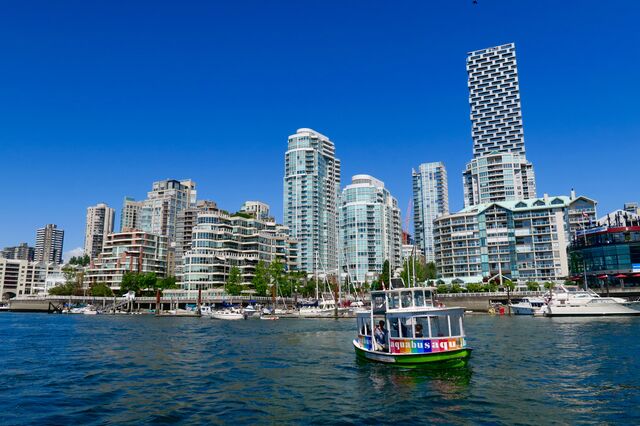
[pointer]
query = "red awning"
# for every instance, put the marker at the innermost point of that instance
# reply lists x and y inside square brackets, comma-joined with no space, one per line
[602,277]
[636,275]
[621,276]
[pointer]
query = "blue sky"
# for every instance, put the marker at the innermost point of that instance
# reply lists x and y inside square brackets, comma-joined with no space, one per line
[99,99]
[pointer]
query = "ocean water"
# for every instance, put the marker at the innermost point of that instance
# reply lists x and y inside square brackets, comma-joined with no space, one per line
[64,369]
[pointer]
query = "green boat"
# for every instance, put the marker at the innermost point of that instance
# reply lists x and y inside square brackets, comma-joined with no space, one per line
[406,327]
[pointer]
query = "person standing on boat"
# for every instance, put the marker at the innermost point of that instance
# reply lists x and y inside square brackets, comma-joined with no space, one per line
[381,336]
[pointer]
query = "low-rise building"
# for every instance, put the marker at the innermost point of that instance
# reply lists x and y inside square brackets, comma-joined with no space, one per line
[128,251]
[21,277]
[19,252]
[525,240]
[221,241]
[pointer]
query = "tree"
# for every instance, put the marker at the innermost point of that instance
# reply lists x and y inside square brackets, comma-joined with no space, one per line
[423,271]
[383,278]
[261,279]
[166,283]
[533,286]
[549,285]
[234,282]
[101,290]
[130,282]
[147,281]
[431,271]
[67,289]
[509,285]
[475,288]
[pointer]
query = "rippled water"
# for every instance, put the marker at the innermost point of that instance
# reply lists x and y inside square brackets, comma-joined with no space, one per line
[112,370]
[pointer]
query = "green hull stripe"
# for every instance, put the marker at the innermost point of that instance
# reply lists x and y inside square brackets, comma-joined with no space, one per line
[457,358]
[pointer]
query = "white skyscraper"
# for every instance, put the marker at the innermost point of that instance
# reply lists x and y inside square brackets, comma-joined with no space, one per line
[49,242]
[370,230]
[130,214]
[311,187]
[499,170]
[430,200]
[164,202]
[100,220]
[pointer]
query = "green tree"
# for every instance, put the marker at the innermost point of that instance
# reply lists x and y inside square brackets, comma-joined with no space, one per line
[166,283]
[234,282]
[475,288]
[384,275]
[147,281]
[67,289]
[261,279]
[101,290]
[533,286]
[442,288]
[423,271]
[431,271]
[549,285]
[277,274]
[130,282]
[509,285]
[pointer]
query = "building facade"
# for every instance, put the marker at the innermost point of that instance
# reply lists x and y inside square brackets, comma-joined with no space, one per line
[311,189]
[632,208]
[257,208]
[100,219]
[525,240]
[430,200]
[20,252]
[167,198]
[128,251]
[370,229]
[494,97]
[49,244]
[187,220]
[22,277]
[131,214]
[221,241]
[498,177]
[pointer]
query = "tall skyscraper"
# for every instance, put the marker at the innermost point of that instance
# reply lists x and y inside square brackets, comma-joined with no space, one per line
[130,214]
[494,96]
[49,242]
[19,252]
[370,230]
[311,188]
[499,170]
[430,200]
[100,220]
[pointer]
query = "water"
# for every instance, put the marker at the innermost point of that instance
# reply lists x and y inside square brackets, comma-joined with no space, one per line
[62,369]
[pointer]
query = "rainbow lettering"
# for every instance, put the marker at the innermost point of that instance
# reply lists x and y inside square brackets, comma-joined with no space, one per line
[425,346]
[365,342]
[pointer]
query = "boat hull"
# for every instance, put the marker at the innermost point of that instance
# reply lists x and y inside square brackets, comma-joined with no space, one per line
[442,360]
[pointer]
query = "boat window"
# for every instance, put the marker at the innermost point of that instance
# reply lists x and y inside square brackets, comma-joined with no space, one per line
[406,327]
[421,327]
[428,297]
[455,325]
[394,300]
[407,299]
[393,327]
[439,326]
[377,301]
[418,298]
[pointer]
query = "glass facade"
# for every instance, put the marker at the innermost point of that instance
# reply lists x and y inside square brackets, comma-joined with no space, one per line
[430,200]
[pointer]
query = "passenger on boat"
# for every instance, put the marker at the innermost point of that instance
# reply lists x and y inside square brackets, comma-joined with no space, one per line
[419,330]
[381,336]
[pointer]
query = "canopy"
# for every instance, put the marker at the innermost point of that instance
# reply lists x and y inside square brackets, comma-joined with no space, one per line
[636,275]
[602,277]
[621,276]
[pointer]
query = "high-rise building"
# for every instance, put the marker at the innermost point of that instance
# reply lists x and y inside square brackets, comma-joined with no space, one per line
[164,202]
[130,214]
[494,96]
[221,241]
[430,200]
[19,252]
[499,170]
[370,230]
[498,177]
[100,220]
[632,208]
[49,242]
[525,240]
[128,251]
[311,188]
[187,220]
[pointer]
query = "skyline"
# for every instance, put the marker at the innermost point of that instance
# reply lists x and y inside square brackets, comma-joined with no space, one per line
[420,112]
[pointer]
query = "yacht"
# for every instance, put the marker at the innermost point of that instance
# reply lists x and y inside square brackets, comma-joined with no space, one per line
[573,301]
[527,306]
[228,314]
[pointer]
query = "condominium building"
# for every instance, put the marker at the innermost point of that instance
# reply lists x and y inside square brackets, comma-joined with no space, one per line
[499,170]
[19,252]
[187,220]
[49,243]
[498,177]
[128,251]
[130,215]
[632,208]
[430,200]
[494,97]
[100,220]
[311,188]
[22,277]
[164,202]
[257,208]
[370,229]
[221,241]
[525,240]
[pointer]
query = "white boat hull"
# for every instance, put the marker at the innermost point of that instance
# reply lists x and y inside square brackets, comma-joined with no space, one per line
[592,309]
[227,316]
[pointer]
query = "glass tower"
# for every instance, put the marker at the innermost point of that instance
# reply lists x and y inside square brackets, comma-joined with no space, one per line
[430,200]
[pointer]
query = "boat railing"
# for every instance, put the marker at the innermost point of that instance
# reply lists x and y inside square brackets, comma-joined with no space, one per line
[513,294]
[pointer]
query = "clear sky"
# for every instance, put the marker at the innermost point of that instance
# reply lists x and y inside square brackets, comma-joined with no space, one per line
[100,98]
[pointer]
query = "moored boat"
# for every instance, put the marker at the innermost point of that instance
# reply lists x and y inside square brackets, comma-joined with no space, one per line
[415,331]
[573,301]
[228,314]
[527,306]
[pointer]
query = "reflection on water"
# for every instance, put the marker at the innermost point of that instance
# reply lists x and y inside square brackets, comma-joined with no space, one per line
[113,370]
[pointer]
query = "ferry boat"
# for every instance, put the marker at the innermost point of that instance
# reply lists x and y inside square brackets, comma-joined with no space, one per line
[527,306]
[416,330]
[567,301]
